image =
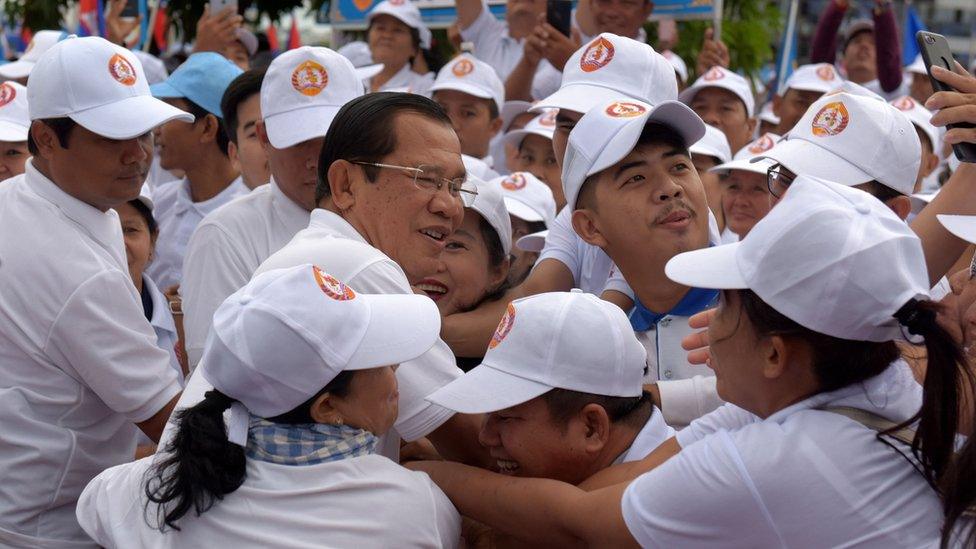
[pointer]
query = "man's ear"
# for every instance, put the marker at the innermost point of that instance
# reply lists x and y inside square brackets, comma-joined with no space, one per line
[774,354]
[495,126]
[262,132]
[901,205]
[752,122]
[777,104]
[596,427]
[342,175]
[324,411]
[586,226]
[44,138]
[930,162]
[211,126]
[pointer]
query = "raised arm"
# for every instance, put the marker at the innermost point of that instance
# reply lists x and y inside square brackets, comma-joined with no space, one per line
[467,12]
[888,51]
[824,48]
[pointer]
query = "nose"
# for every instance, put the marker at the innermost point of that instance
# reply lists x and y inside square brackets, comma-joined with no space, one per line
[488,436]
[447,206]
[668,191]
[136,150]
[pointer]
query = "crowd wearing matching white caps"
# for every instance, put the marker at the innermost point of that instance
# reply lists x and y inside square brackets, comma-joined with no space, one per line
[555,290]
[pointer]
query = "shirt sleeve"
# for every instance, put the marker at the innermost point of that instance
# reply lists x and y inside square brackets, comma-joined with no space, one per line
[446,517]
[213,269]
[685,400]
[561,244]
[727,417]
[485,32]
[888,57]
[617,283]
[824,48]
[102,336]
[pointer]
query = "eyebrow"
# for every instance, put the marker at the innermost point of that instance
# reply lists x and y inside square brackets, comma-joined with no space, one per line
[465,233]
[636,163]
[249,124]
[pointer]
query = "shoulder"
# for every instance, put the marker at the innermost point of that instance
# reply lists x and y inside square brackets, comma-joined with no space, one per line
[241,211]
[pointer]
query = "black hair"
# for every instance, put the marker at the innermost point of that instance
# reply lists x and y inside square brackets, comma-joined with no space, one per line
[240,89]
[62,129]
[563,404]
[363,131]
[199,113]
[147,215]
[879,190]
[653,134]
[496,255]
[959,498]
[201,466]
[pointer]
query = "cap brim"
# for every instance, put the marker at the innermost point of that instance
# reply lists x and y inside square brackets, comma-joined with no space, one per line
[511,109]
[11,132]
[130,117]
[522,210]
[515,137]
[165,90]
[293,127]
[401,327]
[16,69]
[486,389]
[804,158]
[534,242]
[464,88]
[712,268]
[963,226]
[368,71]
[248,39]
[760,167]
[579,98]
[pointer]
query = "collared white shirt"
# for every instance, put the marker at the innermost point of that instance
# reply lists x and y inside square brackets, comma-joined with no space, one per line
[224,251]
[654,433]
[334,245]
[163,324]
[79,365]
[493,45]
[178,216]
[406,80]
[589,265]
[803,477]
[363,502]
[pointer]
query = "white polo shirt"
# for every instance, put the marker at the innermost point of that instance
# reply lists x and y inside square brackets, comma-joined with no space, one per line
[178,216]
[361,502]
[224,251]
[408,81]
[493,45]
[802,477]
[79,365]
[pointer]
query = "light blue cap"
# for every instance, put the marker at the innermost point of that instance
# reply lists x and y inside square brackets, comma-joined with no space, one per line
[202,78]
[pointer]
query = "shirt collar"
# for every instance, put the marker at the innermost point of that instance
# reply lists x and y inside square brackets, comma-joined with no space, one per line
[695,301]
[291,215]
[334,224]
[184,201]
[161,318]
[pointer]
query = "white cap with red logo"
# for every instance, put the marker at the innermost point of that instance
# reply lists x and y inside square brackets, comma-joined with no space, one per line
[678,63]
[817,77]
[38,46]
[608,132]
[408,13]
[743,159]
[302,91]
[922,118]
[471,76]
[714,144]
[526,197]
[543,125]
[852,139]
[14,115]
[100,86]
[490,203]
[720,77]
[612,67]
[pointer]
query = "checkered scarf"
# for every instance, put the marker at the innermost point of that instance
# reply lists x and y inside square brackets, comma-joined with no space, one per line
[306,443]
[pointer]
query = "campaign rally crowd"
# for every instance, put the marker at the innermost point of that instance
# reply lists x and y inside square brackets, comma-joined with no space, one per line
[559,291]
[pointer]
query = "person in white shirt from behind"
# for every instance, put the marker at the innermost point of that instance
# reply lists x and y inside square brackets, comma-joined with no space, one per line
[14,126]
[79,365]
[297,106]
[396,35]
[808,363]
[294,465]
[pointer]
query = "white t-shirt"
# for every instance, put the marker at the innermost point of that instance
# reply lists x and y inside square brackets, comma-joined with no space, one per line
[654,433]
[360,502]
[800,478]
[408,81]
[79,365]
[178,216]
[494,46]
[224,251]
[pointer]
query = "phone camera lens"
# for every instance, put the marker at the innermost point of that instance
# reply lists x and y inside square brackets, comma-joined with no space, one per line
[929,40]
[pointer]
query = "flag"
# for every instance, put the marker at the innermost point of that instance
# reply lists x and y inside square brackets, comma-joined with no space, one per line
[161,30]
[913,24]
[88,18]
[273,38]
[786,55]
[294,39]
[143,24]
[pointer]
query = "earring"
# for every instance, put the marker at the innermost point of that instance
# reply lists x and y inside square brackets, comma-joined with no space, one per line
[338,421]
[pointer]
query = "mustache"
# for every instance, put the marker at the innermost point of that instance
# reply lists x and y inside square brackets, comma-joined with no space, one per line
[677,204]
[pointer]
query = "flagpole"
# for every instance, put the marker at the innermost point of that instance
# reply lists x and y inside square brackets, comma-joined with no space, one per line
[150,31]
[786,55]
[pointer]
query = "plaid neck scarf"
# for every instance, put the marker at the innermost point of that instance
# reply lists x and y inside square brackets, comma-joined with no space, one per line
[306,443]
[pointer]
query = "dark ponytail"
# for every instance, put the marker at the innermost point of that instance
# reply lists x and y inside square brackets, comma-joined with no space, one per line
[959,497]
[201,466]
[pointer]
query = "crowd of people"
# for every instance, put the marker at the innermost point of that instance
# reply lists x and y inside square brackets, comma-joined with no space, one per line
[552,291]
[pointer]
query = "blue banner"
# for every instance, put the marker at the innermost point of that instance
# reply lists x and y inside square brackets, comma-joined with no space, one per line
[680,10]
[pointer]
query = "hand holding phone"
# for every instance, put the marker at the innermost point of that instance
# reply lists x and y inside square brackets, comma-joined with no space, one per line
[217,6]
[559,14]
[935,53]
[131,9]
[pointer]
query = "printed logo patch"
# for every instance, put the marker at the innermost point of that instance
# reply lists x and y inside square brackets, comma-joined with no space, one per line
[713,74]
[332,287]
[121,70]
[620,109]
[597,55]
[826,73]
[831,119]
[504,327]
[514,182]
[463,67]
[904,103]
[7,94]
[309,78]
[762,144]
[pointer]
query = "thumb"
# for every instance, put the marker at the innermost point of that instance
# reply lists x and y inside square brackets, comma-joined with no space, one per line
[709,33]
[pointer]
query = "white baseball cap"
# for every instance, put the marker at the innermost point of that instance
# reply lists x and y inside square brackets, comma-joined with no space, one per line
[526,197]
[543,125]
[720,77]
[831,258]
[963,226]
[478,168]
[921,117]
[471,76]
[358,54]
[743,159]
[408,13]
[100,86]
[917,66]
[816,77]
[766,114]
[490,203]
[559,340]
[303,90]
[678,63]
[14,115]
[609,131]
[155,68]
[714,144]
[852,139]
[511,109]
[534,242]
[248,40]
[612,67]
[284,336]
[39,44]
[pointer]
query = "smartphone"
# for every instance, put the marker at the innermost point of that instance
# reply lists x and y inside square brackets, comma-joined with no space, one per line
[935,52]
[559,14]
[131,9]
[217,6]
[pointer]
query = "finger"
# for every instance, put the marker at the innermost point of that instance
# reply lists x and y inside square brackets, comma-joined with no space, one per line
[960,135]
[206,12]
[960,69]
[709,33]
[963,83]
[701,356]
[955,115]
[701,320]
[695,341]
[947,99]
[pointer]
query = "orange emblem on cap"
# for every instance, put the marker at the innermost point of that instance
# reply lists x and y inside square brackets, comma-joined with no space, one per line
[7,94]
[504,327]
[826,73]
[549,119]
[121,70]
[831,119]
[332,287]
[620,109]
[514,182]
[596,55]
[904,103]
[762,144]
[309,78]
[463,67]
[713,74]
